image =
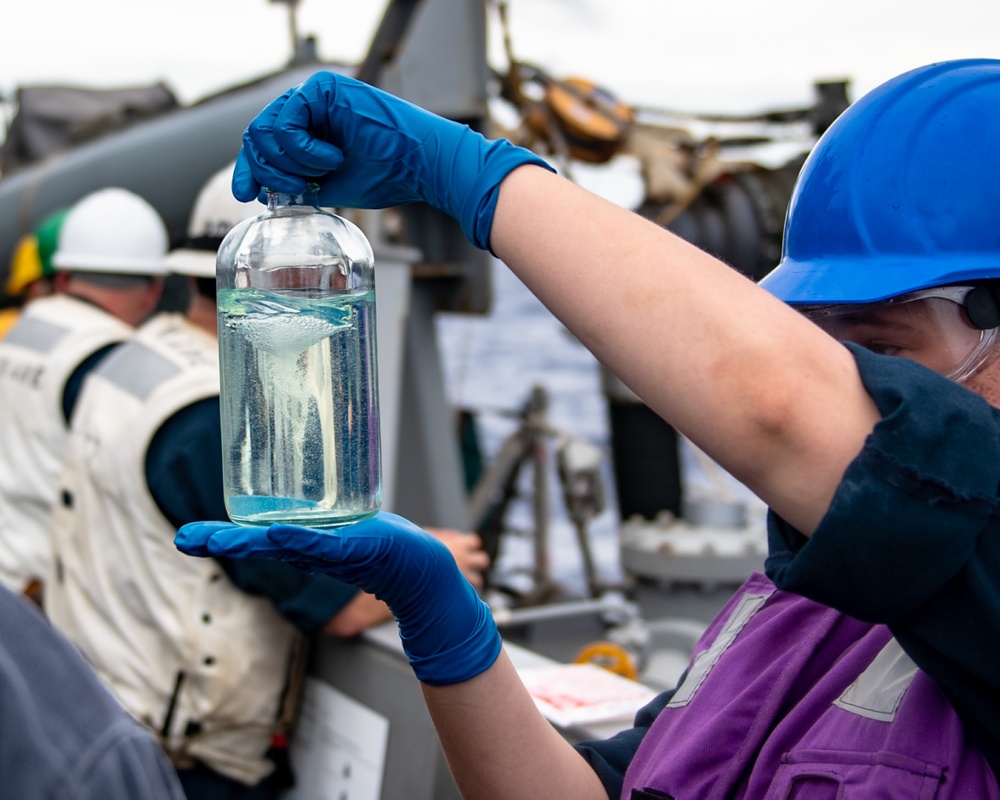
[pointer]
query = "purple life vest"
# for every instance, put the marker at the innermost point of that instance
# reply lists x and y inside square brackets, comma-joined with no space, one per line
[787,699]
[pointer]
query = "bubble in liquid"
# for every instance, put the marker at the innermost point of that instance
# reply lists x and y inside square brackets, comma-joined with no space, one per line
[283,334]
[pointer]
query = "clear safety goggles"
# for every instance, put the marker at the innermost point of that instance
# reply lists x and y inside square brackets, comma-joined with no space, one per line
[930,326]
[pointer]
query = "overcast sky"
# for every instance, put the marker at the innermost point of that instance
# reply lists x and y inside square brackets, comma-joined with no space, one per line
[724,55]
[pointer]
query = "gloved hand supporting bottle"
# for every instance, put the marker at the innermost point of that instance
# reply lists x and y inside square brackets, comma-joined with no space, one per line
[448,632]
[369,149]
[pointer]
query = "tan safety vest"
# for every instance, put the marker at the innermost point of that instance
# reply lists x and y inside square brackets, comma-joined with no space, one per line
[37,357]
[183,649]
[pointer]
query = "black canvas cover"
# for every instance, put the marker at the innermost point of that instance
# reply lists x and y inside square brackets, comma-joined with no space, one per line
[51,118]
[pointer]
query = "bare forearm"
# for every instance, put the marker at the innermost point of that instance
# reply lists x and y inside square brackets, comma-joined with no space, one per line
[763,391]
[499,747]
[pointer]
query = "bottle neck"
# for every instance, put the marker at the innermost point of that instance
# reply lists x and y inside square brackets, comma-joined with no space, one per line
[309,198]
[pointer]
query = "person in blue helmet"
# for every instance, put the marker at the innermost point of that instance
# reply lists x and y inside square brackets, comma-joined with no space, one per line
[856,392]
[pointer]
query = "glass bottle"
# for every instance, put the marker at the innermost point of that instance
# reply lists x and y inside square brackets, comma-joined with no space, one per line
[299,391]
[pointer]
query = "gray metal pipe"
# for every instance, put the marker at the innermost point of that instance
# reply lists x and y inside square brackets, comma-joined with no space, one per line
[612,604]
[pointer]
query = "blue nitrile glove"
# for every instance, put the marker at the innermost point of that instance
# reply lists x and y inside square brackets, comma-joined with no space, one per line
[448,632]
[368,149]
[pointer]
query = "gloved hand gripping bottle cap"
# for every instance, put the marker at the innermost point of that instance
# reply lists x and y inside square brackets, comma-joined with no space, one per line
[374,150]
[299,393]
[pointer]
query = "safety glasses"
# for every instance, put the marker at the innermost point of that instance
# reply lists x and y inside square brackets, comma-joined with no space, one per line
[930,326]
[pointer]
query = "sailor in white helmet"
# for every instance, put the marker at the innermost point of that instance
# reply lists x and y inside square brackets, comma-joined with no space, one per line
[200,650]
[109,264]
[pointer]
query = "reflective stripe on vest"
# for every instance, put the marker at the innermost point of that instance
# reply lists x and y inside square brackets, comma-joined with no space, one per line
[138,369]
[36,334]
[879,690]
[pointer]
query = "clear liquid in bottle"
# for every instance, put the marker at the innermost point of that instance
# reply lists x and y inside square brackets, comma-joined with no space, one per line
[299,400]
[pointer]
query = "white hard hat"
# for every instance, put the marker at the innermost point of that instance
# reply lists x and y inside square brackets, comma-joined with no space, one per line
[112,230]
[215,213]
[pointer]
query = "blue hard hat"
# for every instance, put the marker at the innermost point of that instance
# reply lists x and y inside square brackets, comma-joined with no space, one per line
[901,193]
